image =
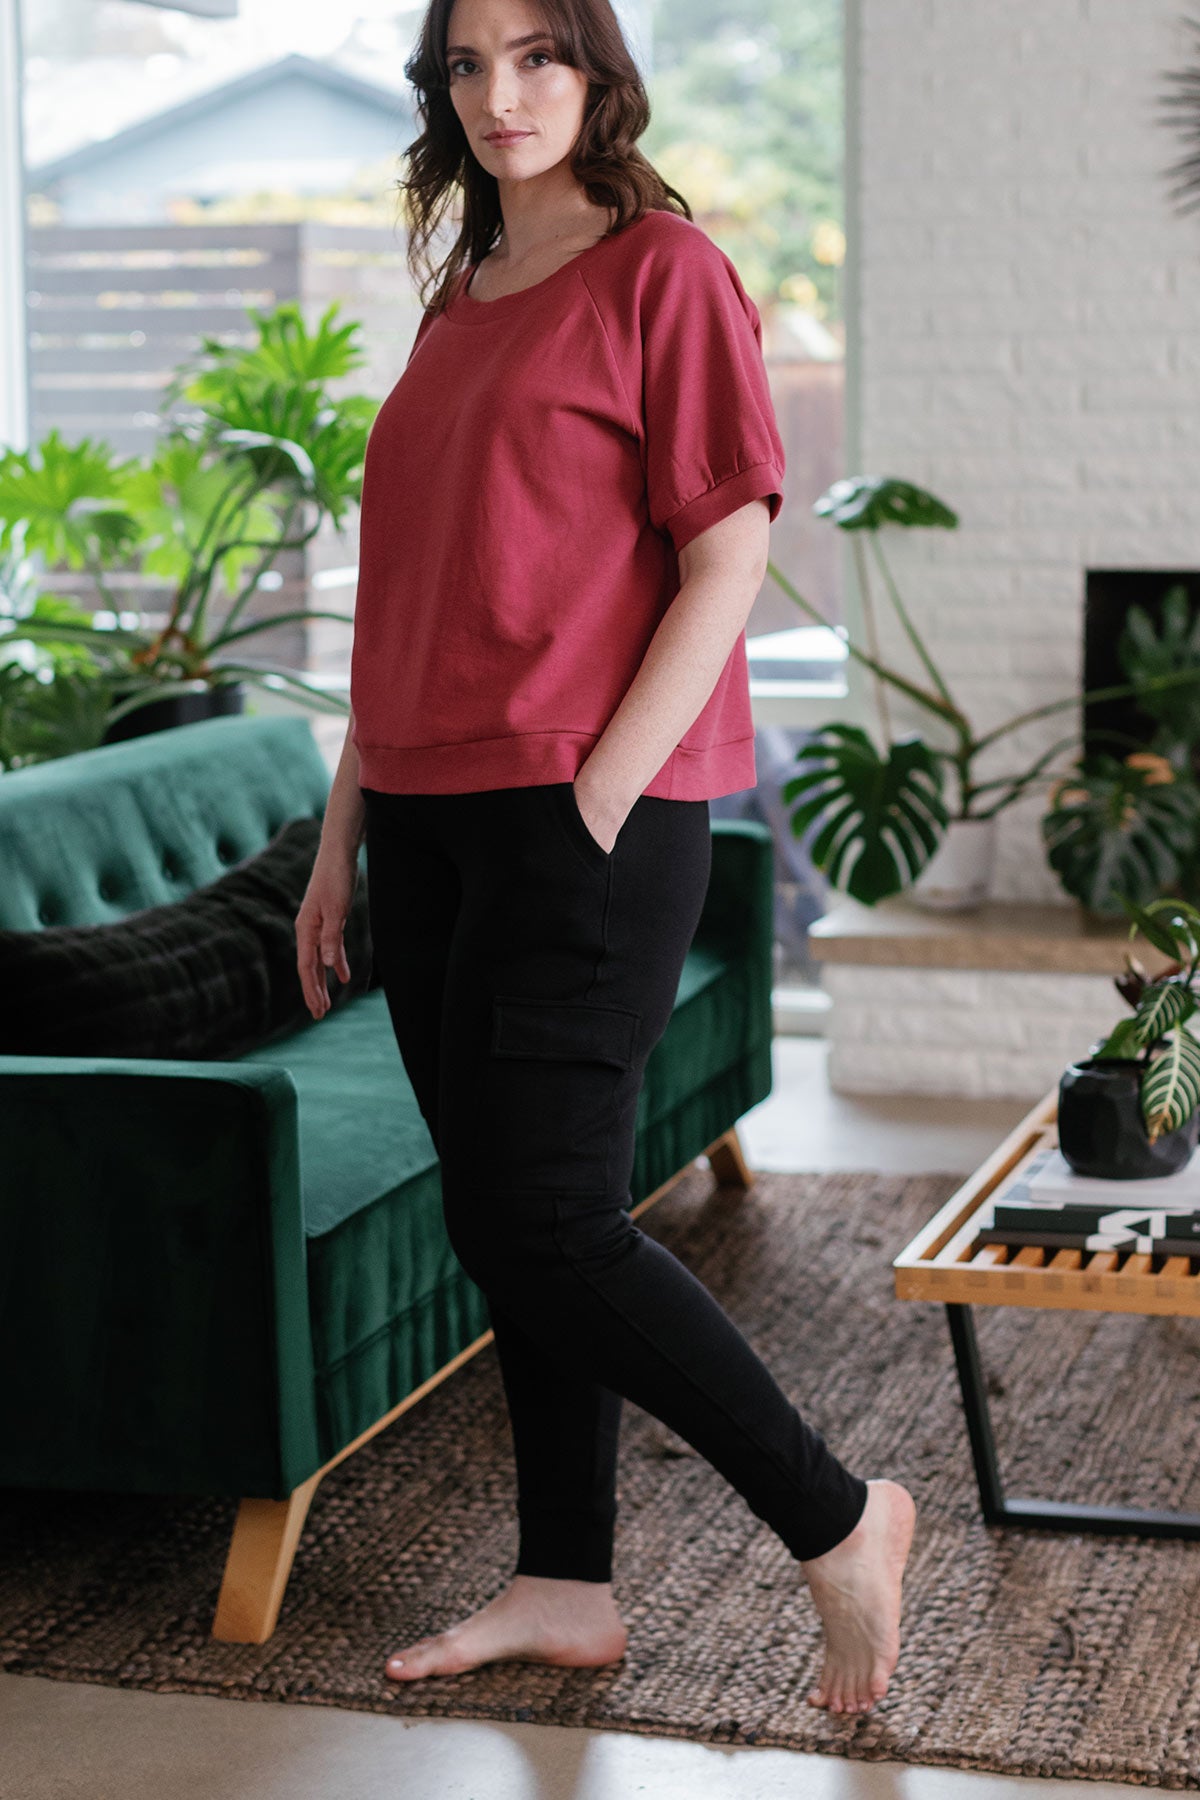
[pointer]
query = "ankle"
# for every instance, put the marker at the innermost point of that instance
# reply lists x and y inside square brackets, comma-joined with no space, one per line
[563,1588]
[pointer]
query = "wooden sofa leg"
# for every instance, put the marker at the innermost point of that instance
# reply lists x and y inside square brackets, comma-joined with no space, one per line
[727,1161]
[265,1535]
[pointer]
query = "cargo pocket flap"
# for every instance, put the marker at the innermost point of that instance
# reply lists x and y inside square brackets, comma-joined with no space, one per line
[571,1031]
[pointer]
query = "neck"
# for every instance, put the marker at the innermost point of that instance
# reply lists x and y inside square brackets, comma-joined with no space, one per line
[545,210]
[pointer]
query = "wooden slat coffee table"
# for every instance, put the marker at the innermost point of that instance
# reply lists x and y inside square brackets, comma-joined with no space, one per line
[946,1262]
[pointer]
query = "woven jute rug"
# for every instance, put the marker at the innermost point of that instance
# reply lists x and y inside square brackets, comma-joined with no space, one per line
[1032,1653]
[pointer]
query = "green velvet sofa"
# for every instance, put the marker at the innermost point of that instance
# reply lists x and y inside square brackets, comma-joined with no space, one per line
[223,1277]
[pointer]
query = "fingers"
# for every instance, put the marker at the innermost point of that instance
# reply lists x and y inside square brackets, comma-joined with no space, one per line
[319,946]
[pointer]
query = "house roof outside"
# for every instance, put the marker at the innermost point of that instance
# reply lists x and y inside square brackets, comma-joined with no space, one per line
[393,104]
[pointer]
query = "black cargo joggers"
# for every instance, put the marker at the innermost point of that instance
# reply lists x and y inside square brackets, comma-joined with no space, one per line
[528,974]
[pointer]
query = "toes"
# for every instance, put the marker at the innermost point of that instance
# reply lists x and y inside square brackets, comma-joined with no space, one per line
[415,1660]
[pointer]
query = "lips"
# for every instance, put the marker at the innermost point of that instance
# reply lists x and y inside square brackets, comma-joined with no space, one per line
[506,137]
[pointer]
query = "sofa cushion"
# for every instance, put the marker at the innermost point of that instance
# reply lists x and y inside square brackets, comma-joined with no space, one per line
[209,975]
[388,1300]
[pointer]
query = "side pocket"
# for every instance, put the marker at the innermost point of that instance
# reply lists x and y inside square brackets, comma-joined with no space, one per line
[550,1092]
[543,1029]
[575,826]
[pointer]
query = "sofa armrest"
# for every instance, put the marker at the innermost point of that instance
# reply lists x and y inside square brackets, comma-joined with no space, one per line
[737,922]
[154,1329]
[738,918]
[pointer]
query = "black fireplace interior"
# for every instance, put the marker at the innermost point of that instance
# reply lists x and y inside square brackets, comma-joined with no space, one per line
[1109,594]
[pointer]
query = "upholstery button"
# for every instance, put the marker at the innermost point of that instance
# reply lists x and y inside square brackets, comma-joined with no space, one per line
[225,851]
[170,867]
[46,913]
[106,889]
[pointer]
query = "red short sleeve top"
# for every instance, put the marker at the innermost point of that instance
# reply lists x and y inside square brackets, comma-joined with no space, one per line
[528,485]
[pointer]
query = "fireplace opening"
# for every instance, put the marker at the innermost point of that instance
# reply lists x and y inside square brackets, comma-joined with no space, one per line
[1108,596]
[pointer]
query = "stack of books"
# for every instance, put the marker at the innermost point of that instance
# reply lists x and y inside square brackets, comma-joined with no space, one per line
[1049,1205]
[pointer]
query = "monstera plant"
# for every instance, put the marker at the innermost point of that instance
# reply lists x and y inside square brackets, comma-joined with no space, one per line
[1121,829]
[256,453]
[880,813]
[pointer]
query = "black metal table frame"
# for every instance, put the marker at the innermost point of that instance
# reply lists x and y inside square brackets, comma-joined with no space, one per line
[1043,1515]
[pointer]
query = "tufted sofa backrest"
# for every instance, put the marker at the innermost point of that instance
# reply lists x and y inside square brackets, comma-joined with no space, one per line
[88,838]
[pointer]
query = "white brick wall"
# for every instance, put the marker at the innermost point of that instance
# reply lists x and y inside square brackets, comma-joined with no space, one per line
[978,1034]
[1029,338]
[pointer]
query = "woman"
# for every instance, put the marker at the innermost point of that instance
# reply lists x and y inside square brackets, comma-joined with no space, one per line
[564,524]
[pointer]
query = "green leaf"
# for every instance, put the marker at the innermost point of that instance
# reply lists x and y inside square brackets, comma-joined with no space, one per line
[287,355]
[67,500]
[1123,1042]
[289,618]
[270,447]
[1170,1086]
[42,720]
[1146,653]
[1110,832]
[1164,1005]
[880,819]
[175,495]
[1180,915]
[1170,925]
[865,502]
[277,389]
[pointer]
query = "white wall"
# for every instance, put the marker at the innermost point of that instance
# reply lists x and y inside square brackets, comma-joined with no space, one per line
[1028,333]
[13,385]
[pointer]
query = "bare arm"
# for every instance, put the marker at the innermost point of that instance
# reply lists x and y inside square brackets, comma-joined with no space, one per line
[721,572]
[345,814]
[321,921]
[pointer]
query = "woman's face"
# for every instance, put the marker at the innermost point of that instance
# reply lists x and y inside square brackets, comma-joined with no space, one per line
[505,78]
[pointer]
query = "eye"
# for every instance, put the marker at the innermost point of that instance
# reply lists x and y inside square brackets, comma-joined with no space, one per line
[462,62]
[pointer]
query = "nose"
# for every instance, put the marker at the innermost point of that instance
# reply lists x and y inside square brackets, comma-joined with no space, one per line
[498,95]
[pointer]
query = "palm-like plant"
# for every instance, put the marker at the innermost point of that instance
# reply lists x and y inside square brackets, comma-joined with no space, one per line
[881,815]
[1180,108]
[256,455]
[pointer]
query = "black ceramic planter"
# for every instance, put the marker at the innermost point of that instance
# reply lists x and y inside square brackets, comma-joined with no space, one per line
[1101,1130]
[208,701]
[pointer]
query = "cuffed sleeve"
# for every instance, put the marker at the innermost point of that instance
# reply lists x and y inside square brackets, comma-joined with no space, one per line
[712,442]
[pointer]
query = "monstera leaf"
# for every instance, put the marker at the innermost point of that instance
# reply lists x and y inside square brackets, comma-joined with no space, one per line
[1146,653]
[881,819]
[1170,1084]
[1112,830]
[865,502]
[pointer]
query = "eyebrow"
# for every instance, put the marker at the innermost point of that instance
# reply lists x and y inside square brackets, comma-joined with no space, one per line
[536,37]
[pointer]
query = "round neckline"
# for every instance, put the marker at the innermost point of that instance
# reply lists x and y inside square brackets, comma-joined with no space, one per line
[466,310]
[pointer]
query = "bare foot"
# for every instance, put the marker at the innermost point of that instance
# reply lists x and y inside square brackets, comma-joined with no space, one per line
[535,1619]
[856,1589]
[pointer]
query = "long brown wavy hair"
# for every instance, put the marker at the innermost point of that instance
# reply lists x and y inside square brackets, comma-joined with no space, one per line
[605,158]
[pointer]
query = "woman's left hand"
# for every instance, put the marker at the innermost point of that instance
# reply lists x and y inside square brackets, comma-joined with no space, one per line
[602,819]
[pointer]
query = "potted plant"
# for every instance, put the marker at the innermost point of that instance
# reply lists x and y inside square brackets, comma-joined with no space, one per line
[883,822]
[1131,826]
[54,699]
[256,454]
[1131,1108]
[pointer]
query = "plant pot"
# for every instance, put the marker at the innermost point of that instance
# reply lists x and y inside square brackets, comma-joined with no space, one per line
[208,700]
[958,876]
[1101,1130]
